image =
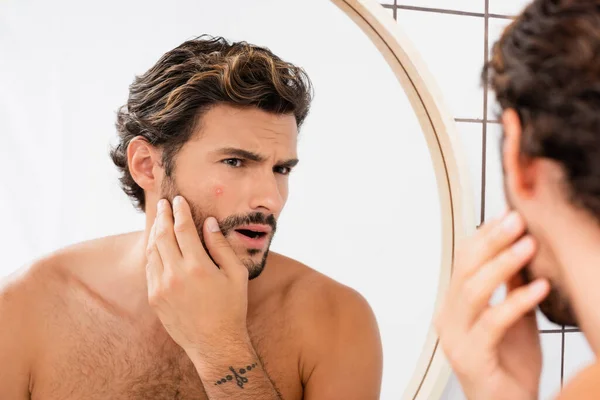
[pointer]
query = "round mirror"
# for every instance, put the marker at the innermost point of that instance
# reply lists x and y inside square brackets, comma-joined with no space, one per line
[376,203]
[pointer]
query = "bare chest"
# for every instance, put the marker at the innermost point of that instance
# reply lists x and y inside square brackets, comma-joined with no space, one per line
[102,357]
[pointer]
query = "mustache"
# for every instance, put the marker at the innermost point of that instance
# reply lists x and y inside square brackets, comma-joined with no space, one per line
[233,221]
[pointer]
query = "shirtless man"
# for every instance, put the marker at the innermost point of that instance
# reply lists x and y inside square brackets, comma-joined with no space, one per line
[193,307]
[545,71]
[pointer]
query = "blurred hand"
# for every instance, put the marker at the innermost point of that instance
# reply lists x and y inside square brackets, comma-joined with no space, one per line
[494,350]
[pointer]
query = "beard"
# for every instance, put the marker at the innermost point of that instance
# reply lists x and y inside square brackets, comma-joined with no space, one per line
[227,226]
[556,306]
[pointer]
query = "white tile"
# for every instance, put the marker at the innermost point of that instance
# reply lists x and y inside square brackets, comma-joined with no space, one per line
[551,351]
[495,29]
[477,6]
[544,324]
[386,1]
[499,295]
[495,202]
[550,378]
[507,7]
[452,47]
[470,136]
[578,355]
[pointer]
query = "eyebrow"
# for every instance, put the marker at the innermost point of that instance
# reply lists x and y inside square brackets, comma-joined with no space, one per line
[251,156]
[289,163]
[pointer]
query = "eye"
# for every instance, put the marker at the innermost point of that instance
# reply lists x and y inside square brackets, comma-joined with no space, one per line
[283,170]
[233,162]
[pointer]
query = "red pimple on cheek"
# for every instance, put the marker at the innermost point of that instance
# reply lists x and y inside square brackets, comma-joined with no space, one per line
[219,191]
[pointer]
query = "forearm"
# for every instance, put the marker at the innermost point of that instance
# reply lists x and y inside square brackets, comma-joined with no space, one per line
[234,371]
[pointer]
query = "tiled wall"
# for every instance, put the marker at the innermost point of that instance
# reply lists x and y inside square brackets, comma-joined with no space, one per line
[454,38]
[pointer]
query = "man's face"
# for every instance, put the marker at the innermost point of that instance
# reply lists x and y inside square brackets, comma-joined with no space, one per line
[556,306]
[236,168]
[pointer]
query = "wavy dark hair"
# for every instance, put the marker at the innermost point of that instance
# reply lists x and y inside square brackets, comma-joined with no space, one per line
[546,66]
[166,103]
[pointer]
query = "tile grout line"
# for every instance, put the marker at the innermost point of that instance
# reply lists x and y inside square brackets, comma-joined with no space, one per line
[476,120]
[571,330]
[447,11]
[440,11]
[562,357]
[501,16]
[485,101]
[395,10]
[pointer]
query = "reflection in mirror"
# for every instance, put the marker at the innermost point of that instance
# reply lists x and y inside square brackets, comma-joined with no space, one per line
[339,307]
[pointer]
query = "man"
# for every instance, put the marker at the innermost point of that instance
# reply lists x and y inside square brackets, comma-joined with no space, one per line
[545,71]
[194,306]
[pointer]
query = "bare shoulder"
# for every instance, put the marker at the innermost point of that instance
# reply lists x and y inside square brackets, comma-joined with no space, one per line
[320,302]
[45,282]
[39,275]
[338,329]
[317,296]
[33,300]
[26,289]
[20,297]
[586,385]
[331,310]
[21,290]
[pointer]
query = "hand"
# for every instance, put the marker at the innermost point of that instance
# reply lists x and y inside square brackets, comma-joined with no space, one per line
[494,350]
[201,305]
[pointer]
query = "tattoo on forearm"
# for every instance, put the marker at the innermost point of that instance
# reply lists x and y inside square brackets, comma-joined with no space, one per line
[237,375]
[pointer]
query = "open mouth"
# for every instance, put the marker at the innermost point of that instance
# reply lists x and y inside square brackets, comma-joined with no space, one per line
[251,234]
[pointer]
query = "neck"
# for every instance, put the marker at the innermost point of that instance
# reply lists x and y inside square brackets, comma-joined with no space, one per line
[134,267]
[576,248]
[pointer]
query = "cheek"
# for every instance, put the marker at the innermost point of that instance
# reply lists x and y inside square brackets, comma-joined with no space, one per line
[284,188]
[284,197]
[285,194]
[542,265]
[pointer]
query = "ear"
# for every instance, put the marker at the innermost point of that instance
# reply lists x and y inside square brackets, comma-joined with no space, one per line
[519,170]
[143,160]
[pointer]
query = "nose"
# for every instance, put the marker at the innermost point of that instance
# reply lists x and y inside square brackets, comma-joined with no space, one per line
[266,194]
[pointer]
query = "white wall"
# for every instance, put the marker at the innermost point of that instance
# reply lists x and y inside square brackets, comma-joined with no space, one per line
[451,38]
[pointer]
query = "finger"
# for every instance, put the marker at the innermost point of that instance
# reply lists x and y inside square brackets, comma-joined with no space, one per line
[486,226]
[487,245]
[219,248]
[165,236]
[497,320]
[483,230]
[478,290]
[154,267]
[516,281]
[186,232]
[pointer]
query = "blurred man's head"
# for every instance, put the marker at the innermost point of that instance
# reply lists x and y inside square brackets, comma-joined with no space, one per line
[217,123]
[545,71]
